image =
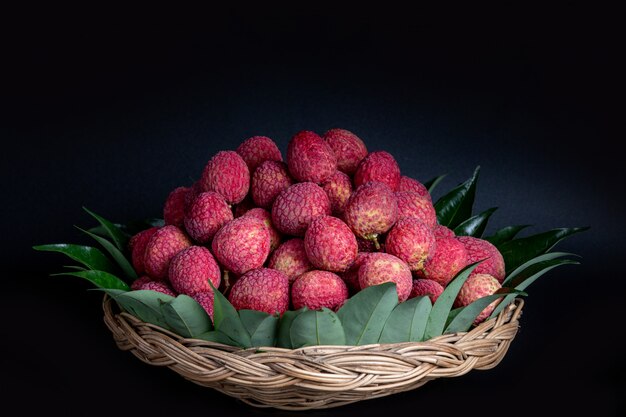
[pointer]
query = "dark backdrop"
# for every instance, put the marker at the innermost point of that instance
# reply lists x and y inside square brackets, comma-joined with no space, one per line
[113,113]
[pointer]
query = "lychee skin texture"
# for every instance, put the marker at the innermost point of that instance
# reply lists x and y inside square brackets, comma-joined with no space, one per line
[266,217]
[139,282]
[208,213]
[372,209]
[205,299]
[227,174]
[411,204]
[261,289]
[382,267]
[317,289]
[410,184]
[330,244]
[138,245]
[378,166]
[258,149]
[269,179]
[192,268]
[309,158]
[174,208]
[162,247]
[478,286]
[412,241]
[338,188]
[291,258]
[442,231]
[448,259]
[479,249]
[347,147]
[158,287]
[296,207]
[351,276]
[191,195]
[426,287]
[242,244]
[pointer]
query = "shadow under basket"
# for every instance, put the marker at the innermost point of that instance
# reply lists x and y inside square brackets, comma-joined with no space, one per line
[317,376]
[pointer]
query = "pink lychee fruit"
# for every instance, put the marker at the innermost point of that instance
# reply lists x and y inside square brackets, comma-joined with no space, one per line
[192,268]
[139,282]
[257,150]
[378,166]
[191,195]
[338,188]
[330,244]
[317,289]
[442,231]
[158,287]
[382,267]
[205,299]
[242,244]
[426,287]
[227,174]
[371,210]
[410,184]
[162,247]
[347,147]
[478,286]
[411,204]
[351,276]
[174,208]
[295,208]
[309,158]
[412,241]
[290,258]
[208,213]
[479,249]
[266,217]
[448,259]
[261,289]
[269,179]
[137,245]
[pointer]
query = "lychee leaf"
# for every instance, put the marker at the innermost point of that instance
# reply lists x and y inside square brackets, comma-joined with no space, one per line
[118,256]
[441,309]
[364,314]
[115,233]
[100,279]
[432,183]
[186,316]
[143,304]
[314,328]
[407,321]
[505,234]
[475,225]
[217,337]
[456,206]
[283,338]
[465,317]
[92,258]
[260,326]
[537,260]
[227,321]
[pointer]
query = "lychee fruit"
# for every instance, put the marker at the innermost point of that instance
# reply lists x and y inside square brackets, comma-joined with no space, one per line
[309,158]
[266,217]
[290,258]
[174,208]
[137,245]
[479,249]
[192,268]
[330,244]
[382,267]
[448,259]
[351,276]
[158,287]
[191,195]
[317,289]
[426,287]
[208,213]
[295,208]
[338,188]
[442,231]
[162,247]
[261,289]
[269,179]
[347,147]
[478,286]
[411,204]
[205,299]
[410,184]
[412,241]
[378,166]
[139,282]
[258,149]
[227,174]
[371,210]
[242,244]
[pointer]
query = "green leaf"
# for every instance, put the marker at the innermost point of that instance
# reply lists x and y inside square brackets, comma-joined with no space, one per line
[76,268]
[218,337]
[441,309]
[505,234]
[186,317]
[432,183]
[364,315]
[114,232]
[536,260]
[92,258]
[284,327]
[475,226]
[227,321]
[143,304]
[456,206]
[407,321]
[260,326]
[102,231]
[464,319]
[115,253]
[314,327]
[516,252]
[100,279]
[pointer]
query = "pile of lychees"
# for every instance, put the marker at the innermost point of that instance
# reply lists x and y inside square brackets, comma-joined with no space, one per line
[332,220]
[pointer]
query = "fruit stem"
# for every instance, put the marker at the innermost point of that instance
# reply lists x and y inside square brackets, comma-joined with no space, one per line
[376,244]
[226,281]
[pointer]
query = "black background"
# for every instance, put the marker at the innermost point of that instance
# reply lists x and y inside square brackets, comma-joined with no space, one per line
[112,113]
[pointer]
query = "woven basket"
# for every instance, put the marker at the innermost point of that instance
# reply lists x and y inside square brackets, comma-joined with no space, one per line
[316,376]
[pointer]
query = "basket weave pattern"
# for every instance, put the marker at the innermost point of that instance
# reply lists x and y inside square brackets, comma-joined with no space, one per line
[316,376]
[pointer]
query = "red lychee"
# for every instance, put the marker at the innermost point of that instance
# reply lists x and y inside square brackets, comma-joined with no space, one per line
[242,244]
[266,217]
[338,188]
[411,204]
[295,208]
[478,286]
[227,174]
[412,241]
[410,184]
[191,195]
[137,245]
[309,158]
[351,276]
[291,258]
[382,267]
[208,213]
[139,282]
[378,166]
[347,147]
[262,290]
[371,210]
[426,287]
[442,231]
[317,289]
[192,268]
[448,259]
[158,287]
[269,179]
[258,149]
[174,208]
[330,244]
[205,299]
[479,249]
[162,247]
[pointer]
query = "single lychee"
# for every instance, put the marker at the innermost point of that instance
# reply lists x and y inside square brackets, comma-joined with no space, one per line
[426,287]
[242,244]
[347,147]
[290,258]
[158,287]
[478,286]
[371,210]
[192,268]
[208,213]
[295,208]
[382,267]
[205,299]
[338,188]
[269,179]
[137,245]
[317,289]
[351,276]
[261,289]
[309,158]
[412,241]
[411,204]
[410,184]
[448,259]
[479,249]
[139,282]
[266,217]
[174,208]
[257,150]
[442,231]
[330,244]
[378,166]
[227,174]
[162,247]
